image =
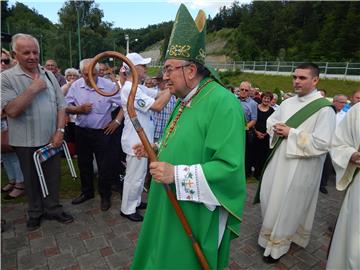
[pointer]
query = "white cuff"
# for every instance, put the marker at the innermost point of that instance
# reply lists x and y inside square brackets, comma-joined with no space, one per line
[191,185]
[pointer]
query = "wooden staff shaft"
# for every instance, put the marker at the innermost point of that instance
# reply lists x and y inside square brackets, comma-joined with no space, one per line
[150,151]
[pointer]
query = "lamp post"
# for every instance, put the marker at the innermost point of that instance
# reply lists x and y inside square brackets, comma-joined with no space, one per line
[127,43]
[78,30]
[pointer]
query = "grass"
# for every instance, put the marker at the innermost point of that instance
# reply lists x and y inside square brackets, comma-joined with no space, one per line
[284,83]
[69,188]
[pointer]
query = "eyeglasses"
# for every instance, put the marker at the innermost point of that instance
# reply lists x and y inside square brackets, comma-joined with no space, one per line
[169,69]
[5,61]
[244,89]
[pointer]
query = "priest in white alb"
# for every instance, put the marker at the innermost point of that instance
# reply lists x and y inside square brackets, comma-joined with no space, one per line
[300,135]
[345,154]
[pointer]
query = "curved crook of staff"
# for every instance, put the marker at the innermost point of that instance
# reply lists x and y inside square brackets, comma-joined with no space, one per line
[144,140]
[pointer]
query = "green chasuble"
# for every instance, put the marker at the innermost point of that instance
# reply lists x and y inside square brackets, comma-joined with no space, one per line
[210,132]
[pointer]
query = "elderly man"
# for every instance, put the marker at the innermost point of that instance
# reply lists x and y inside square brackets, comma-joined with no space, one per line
[146,101]
[34,104]
[250,109]
[345,153]
[201,157]
[51,65]
[95,134]
[274,100]
[300,134]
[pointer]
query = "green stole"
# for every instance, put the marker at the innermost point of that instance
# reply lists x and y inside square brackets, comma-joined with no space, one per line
[293,122]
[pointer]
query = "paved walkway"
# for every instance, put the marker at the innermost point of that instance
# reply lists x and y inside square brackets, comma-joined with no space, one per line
[105,240]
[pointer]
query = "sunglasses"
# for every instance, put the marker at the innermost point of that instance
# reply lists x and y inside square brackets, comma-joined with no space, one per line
[5,61]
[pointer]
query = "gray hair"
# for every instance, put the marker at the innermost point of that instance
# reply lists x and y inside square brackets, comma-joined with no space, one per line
[87,61]
[275,96]
[74,71]
[23,36]
[339,95]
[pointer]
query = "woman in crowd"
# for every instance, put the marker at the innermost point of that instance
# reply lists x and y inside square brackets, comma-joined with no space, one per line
[261,141]
[71,75]
[15,187]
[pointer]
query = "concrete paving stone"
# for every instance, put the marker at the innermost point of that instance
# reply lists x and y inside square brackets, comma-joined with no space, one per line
[62,261]
[314,245]
[50,252]
[51,227]
[85,235]
[71,245]
[120,243]
[20,229]
[319,266]
[8,232]
[91,260]
[23,252]
[83,217]
[14,214]
[242,260]
[91,223]
[32,261]
[74,228]
[289,260]
[95,243]
[301,265]
[321,254]
[99,228]
[10,259]
[42,243]
[117,260]
[106,251]
[121,229]
[35,235]
[13,244]
[74,267]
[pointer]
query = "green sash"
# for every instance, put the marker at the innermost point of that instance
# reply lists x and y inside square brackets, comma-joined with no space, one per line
[294,121]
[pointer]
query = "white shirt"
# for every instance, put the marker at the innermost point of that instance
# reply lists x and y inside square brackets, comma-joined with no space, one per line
[144,99]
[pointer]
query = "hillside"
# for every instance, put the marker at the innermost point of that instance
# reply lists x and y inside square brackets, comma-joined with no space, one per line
[319,31]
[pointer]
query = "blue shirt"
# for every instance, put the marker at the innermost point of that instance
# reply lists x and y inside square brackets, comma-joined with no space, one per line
[250,109]
[100,115]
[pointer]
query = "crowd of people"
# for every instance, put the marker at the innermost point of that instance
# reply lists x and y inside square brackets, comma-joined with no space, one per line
[208,139]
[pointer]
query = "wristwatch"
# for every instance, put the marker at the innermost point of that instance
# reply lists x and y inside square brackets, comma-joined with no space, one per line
[61,130]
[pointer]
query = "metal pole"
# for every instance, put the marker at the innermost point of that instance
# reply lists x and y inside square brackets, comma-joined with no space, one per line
[41,49]
[127,43]
[70,51]
[78,28]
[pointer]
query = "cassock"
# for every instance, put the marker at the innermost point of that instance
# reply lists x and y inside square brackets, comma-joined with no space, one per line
[345,245]
[207,147]
[290,184]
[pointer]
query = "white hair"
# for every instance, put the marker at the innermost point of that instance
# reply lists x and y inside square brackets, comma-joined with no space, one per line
[23,36]
[275,96]
[74,71]
[87,61]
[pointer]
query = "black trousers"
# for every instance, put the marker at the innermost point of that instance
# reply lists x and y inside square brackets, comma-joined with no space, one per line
[90,142]
[327,170]
[51,168]
[249,153]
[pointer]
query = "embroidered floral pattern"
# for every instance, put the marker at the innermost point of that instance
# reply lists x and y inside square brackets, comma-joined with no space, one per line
[202,54]
[188,183]
[180,50]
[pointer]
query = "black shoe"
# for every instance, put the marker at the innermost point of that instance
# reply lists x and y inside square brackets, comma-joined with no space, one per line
[33,223]
[136,217]
[62,217]
[323,190]
[270,260]
[105,204]
[82,198]
[142,205]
